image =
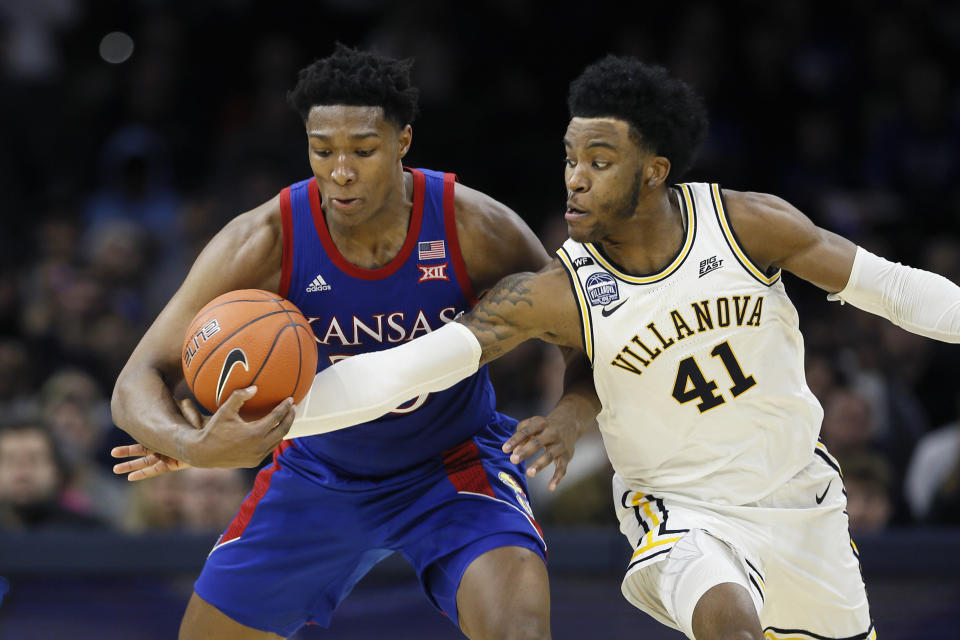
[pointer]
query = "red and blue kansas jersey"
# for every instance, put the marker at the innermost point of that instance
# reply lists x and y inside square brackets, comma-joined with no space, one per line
[354,310]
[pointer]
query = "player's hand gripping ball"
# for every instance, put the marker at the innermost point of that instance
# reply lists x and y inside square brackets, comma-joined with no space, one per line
[249,337]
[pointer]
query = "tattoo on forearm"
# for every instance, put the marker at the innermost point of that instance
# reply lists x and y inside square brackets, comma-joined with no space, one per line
[493,320]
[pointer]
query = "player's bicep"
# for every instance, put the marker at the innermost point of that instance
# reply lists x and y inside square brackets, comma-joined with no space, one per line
[825,262]
[502,318]
[523,306]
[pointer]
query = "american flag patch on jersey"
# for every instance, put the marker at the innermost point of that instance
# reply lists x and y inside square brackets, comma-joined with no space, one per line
[431,250]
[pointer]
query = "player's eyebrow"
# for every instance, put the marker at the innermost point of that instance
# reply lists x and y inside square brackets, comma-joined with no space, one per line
[600,143]
[353,136]
[593,143]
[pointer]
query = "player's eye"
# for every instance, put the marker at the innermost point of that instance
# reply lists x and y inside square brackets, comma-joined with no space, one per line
[323,153]
[365,153]
[570,162]
[600,164]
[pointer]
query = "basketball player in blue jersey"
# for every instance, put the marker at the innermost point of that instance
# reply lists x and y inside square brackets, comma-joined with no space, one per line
[374,255]
[735,510]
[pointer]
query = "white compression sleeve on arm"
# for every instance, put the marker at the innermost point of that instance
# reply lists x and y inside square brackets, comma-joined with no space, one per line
[919,301]
[364,387]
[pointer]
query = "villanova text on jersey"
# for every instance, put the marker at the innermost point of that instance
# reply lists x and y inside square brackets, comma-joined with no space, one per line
[354,310]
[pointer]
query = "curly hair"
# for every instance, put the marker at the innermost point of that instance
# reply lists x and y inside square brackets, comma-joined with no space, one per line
[664,113]
[357,78]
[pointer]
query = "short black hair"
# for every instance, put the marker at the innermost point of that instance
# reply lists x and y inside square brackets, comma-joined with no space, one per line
[664,111]
[357,78]
[31,421]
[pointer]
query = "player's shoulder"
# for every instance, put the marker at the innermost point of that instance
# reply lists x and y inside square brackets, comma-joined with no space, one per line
[494,239]
[766,225]
[755,208]
[479,213]
[255,233]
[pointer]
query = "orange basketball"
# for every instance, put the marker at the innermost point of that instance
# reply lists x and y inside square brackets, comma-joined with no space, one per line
[249,337]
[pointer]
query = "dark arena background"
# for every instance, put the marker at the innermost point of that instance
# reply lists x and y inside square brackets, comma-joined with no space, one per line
[130,131]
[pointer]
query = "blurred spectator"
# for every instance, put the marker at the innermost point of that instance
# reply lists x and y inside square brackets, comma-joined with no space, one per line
[135,182]
[16,378]
[868,480]
[156,504]
[932,485]
[847,423]
[78,416]
[32,477]
[822,376]
[210,497]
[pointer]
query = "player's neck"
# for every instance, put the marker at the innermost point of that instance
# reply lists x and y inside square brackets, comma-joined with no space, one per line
[378,239]
[651,238]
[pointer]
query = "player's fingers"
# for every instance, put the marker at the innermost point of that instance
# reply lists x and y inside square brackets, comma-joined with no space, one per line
[560,470]
[278,432]
[238,397]
[129,450]
[525,429]
[189,410]
[133,465]
[274,419]
[526,449]
[159,467]
[540,463]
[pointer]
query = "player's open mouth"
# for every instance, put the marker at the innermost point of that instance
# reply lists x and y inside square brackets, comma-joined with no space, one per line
[574,213]
[344,203]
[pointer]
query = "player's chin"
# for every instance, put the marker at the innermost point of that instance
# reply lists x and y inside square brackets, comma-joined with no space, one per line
[579,232]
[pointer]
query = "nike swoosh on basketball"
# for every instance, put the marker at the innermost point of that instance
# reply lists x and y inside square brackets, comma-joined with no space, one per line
[606,311]
[824,494]
[235,357]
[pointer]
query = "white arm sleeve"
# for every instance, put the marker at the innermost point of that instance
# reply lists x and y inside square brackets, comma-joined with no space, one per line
[364,387]
[919,301]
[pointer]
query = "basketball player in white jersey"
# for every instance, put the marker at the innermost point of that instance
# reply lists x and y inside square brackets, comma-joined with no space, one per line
[734,509]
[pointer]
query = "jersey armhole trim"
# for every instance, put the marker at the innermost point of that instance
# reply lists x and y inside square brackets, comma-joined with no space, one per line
[586,322]
[286,260]
[450,226]
[731,237]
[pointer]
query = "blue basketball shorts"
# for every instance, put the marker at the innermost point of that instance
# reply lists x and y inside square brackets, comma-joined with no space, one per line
[305,535]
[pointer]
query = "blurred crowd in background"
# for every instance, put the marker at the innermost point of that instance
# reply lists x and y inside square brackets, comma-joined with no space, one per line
[114,174]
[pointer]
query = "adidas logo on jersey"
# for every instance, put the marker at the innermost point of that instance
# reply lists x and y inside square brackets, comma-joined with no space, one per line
[318,284]
[710,264]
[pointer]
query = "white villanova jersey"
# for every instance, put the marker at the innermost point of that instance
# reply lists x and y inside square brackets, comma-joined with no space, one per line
[699,366]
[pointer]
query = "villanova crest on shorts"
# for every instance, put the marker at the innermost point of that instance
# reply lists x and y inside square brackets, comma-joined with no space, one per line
[602,289]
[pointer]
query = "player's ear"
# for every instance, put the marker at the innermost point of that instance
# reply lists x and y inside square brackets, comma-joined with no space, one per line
[656,171]
[404,140]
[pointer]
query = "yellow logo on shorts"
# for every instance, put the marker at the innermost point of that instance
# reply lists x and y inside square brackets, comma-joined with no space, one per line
[511,482]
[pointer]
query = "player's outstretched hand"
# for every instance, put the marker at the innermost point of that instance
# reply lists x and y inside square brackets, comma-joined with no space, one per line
[556,435]
[151,463]
[228,441]
[147,465]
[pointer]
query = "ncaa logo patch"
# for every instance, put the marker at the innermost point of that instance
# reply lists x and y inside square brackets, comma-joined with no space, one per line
[511,482]
[602,289]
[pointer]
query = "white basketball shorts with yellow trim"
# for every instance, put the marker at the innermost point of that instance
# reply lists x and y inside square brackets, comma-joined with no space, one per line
[791,551]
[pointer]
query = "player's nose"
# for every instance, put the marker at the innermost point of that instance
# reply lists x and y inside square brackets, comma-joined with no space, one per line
[577,181]
[342,172]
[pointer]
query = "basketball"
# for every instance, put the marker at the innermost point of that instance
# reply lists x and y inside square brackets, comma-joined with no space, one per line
[249,337]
